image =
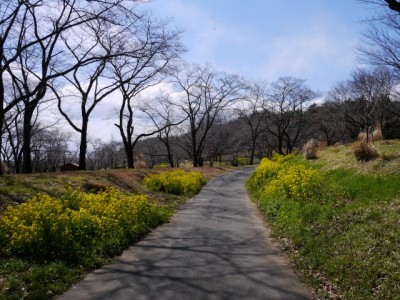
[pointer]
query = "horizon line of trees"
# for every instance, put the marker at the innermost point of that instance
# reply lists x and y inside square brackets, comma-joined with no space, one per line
[85,53]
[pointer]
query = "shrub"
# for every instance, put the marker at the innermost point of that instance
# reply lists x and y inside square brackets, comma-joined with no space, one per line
[242,161]
[94,187]
[277,179]
[265,170]
[76,225]
[296,182]
[176,182]
[310,149]
[364,151]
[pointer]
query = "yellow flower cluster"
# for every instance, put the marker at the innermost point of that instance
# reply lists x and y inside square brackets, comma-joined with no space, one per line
[268,168]
[295,182]
[282,158]
[176,182]
[46,228]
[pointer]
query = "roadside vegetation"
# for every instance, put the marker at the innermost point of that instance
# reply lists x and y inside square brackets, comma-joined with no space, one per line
[78,222]
[338,218]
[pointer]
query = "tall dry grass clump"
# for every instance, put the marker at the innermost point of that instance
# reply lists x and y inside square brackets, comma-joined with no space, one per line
[364,137]
[140,163]
[377,134]
[310,149]
[364,151]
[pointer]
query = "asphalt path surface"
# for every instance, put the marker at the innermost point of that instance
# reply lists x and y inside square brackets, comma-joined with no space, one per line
[215,247]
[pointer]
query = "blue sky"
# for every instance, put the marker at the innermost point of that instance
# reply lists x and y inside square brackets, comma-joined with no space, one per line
[266,39]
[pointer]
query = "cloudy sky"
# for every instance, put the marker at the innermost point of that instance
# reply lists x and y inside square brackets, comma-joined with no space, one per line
[265,39]
[313,40]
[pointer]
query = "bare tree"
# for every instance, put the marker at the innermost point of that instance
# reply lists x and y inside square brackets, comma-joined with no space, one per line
[394,5]
[154,51]
[369,104]
[253,111]
[381,41]
[204,93]
[49,149]
[12,135]
[219,140]
[165,118]
[287,100]
[91,83]
[32,49]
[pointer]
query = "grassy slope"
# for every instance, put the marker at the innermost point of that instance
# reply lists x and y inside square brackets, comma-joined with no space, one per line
[19,188]
[18,277]
[364,234]
[336,157]
[347,244]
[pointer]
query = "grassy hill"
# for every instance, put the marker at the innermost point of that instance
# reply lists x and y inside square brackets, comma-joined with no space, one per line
[343,231]
[388,162]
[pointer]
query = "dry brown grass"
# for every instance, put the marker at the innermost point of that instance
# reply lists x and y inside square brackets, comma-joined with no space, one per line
[364,151]
[310,149]
[377,134]
[363,137]
[342,156]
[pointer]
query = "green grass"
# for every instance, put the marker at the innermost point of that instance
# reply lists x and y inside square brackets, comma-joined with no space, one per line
[346,241]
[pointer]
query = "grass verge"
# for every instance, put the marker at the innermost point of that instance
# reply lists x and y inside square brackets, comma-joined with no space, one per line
[342,234]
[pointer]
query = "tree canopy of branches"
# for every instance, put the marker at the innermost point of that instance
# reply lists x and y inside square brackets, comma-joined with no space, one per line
[34,36]
[381,41]
[287,102]
[253,111]
[149,57]
[203,94]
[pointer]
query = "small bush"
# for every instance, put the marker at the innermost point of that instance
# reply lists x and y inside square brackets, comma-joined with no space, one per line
[364,151]
[310,149]
[176,182]
[242,161]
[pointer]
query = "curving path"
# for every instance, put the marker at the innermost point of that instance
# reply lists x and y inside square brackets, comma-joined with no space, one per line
[215,247]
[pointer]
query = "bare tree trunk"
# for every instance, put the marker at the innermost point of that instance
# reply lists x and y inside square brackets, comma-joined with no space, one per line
[1,106]
[26,136]
[83,145]
[170,156]
[194,151]
[253,148]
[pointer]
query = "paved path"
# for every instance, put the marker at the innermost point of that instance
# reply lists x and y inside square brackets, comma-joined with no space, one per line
[215,247]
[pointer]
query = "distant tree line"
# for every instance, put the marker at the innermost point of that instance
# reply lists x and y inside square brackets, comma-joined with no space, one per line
[66,58]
